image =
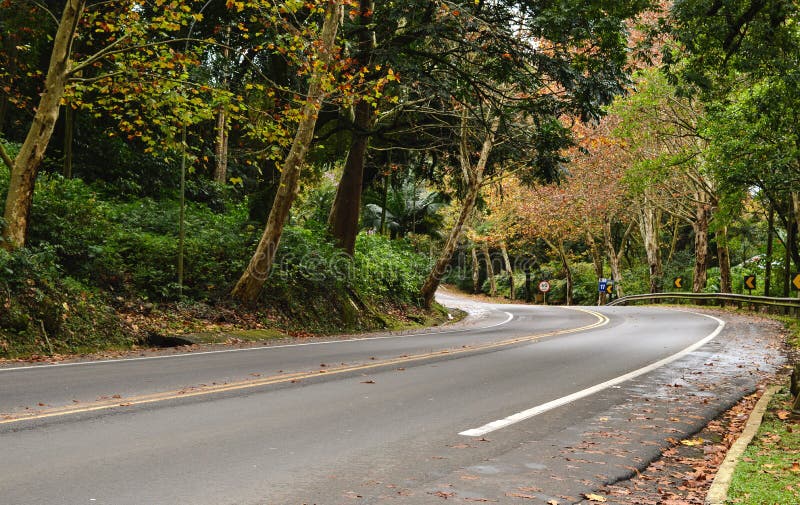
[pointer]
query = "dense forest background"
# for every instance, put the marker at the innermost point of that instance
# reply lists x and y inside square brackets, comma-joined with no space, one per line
[186,166]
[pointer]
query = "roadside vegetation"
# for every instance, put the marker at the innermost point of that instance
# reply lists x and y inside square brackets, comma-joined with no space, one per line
[323,166]
[770,467]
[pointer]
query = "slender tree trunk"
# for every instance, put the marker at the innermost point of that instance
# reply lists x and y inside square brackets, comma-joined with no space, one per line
[476,271]
[770,239]
[252,280]
[787,260]
[384,202]
[724,256]
[562,254]
[221,147]
[26,165]
[700,226]
[473,177]
[674,241]
[597,262]
[509,269]
[489,269]
[221,142]
[346,209]
[649,224]
[69,137]
[440,267]
[614,256]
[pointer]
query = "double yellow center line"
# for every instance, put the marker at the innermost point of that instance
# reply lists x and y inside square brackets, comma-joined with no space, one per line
[116,402]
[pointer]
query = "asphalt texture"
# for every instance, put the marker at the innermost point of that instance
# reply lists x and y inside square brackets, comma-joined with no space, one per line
[384,433]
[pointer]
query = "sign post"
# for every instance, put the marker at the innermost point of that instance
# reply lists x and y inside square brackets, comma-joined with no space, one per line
[750,283]
[796,282]
[604,287]
[544,287]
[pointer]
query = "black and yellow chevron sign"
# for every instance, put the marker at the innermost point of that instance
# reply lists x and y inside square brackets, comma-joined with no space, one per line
[750,282]
[796,281]
[678,282]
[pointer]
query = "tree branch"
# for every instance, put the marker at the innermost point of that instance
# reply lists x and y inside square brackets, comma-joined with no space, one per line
[6,158]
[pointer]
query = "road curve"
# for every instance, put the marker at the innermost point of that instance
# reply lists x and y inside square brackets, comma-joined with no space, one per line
[364,421]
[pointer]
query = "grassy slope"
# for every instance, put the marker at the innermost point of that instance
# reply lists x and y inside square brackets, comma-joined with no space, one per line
[769,472]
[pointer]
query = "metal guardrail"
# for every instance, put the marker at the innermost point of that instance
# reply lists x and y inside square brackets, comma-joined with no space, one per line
[719,298]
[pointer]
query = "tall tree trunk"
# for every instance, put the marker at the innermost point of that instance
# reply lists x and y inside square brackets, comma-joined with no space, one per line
[431,284]
[473,177]
[509,269]
[597,262]
[489,269]
[346,209]
[724,256]
[649,225]
[252,280]
[673,244]
[476,271]
[26,165]
[384,203]
[562,254]
[69,137]
[700,227]
[221,142]
[221,147]
[770,239]
[614,256]
[787,260]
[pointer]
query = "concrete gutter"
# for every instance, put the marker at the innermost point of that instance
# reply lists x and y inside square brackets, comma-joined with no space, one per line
[718,493]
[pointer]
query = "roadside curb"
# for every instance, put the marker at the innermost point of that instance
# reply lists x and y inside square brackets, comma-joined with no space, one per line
[718,492]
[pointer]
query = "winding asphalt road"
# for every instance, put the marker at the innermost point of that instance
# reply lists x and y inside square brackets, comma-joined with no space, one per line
[383,419]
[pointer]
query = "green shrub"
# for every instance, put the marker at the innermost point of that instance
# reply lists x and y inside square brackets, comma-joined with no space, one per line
[41,311]
[389,269]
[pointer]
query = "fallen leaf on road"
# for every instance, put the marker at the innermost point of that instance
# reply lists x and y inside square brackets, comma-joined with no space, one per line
[692,442]
[595,497]
[442,494]
[521,495]
[368,382]
[552,502]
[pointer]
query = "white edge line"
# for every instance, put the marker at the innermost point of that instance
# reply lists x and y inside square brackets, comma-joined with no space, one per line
[540,409]
[265,348]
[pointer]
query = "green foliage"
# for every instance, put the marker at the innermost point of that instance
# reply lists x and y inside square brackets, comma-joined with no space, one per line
[410,208]
[44,312]
[389,269]
[68,215]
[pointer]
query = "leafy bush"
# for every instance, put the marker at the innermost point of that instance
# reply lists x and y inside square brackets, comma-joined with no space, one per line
[389,269]
[42,312]
[68,215]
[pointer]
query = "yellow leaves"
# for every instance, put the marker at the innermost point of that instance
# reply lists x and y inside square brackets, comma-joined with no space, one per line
[692,442]
[233,4]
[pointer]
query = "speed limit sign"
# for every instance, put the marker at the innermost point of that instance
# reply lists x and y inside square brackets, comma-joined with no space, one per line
[544,286]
